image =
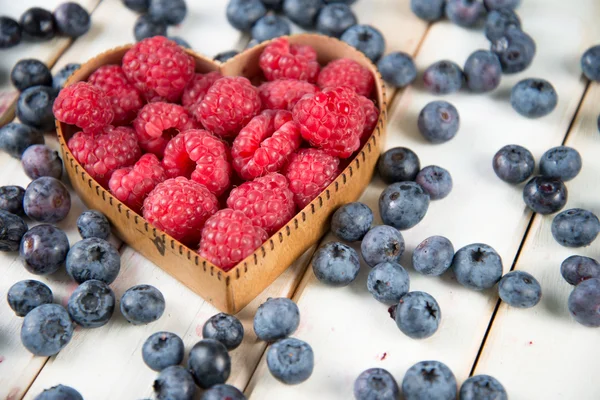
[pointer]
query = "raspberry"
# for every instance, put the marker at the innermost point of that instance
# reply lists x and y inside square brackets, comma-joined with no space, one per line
[124,97]
[132,184]
[228,106]
[159,68]
[283,94]
[309,172]
[197,88]
[332,120]
[83,105]
[347,72]
[105,151]
[282,60]
[228,237]
[180,207]
[265,144]
[371,116]
[267,201]
[157,123]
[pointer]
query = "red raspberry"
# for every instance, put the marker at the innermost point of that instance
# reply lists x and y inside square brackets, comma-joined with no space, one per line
[265,144]
[125,100]
[228,106]
[267,201]
[332,120]
[309,172]
[159,68]
[180,207]
[197,88]
[371,116]
[228,237]
[103,152]
[83,105]
[283,94]
[282,60]
[157,123]
[131,185]
[347,72]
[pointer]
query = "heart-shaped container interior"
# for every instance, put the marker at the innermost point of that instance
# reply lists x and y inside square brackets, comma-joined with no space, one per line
[232,290]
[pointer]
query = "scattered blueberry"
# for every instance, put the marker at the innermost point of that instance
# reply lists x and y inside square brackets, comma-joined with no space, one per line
[398,164]
[174,383]
[519,289]
[12,229]
[545,195]
[465,13]
[60,392]
[382,244]
[533,98]
[436,181]
[169,12]
[142,304]
[15,138]
[376,384]
[575,227]
[498,21]
[482,387]
[93,223]
[162,350]
[482,71]
[140,6]
[10,32]
[561,162]
[44,249]
[403,205]
[145,27]
[590,63]
[276,318]
[225,328]
[47,200]
[477,266]
[11,199]
[226,55]
[443,77]
[26,295]
[336,264]
[352,221]
[269,27]
[335,18]
[180,41]
[433,256]
[397,69]
[93,258]
[513,163]
[46,330]
[367,39]
[417,315]
[303,12]
[428,10]
[515,50]
[429,380]
[38,24]
[40,160]
[30,72]
[243,14]
[34,107]
[72,20]
[209,363]
[92,304]
[576,269]
[584,302]
[290,360]
[438,121]
[223,392]
[501,4]
[60,78]
[388,282]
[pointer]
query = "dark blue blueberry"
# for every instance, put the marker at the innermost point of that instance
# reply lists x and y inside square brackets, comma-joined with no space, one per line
[11,199]
[12,229]
[498,21]
[270,27]
[72,20]
[38,24]
[47,200]
[180,41]
[575,227]
[429,380]
[34,107]
[590,63]
[303,12]
[225,328]
[465,13]
[276,318]
[46,330]
[482,387]
[382,244]
[93,258]
[60,78]
[501,4]
[519,289]
[336,264]
[243,14]
[15,138]
[482,71]
[209,363]
[533,98]
[334,19]
[388,282]
[397,69]
[142,304]
[428,10]
[376,384]
[443,77]
[92,304]
[26,295]
[174,383]
[584,302]
[44,249]
[169,12]
[223,392]
[403,205]
[140,6]
[398,165]
[513,163]
[417,315]
[10,32]
[545,195]
[60,392]
[92,223]
[576,269]
[145,27]
[433,256]
[436,181]
[367,39]
[290,361]
[226,55]
[515,50]
[561,162]
[40,160]
[477,266]
[273,4]
[352,221]
[438,121]
[30,72]
[162,350]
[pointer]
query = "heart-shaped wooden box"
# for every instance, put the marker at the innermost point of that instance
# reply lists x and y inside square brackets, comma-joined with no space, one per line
[231,291]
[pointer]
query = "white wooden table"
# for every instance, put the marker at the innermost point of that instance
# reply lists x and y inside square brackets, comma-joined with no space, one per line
[540,353]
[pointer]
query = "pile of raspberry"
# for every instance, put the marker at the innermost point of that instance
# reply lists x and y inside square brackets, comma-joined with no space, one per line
[215,162]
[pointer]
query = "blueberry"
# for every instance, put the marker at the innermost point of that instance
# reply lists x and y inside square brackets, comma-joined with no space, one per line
[169,12]
[15,138]
[34,107]
[576,269]
[584,302]
[146,27]
[290,361]
[225,328]
[482,71]
[575,227]
[46,330]
[388,282]
[47,200]
[367,39]
[334,19]
[40,160]
[180,41]
[433,256]
[273,4]
[10,32]
[92,304]
[60,392]
[72,20]
[498,21]
[209,363]
[243,14]
[397,69]
[382,244]
[226,55]
[515,50]
[513,163]
[519,289]
[417,315]
[465,13]
[590,63]
[336,264]
[352,221]
[276,318]
[44,249]
[438,121]
[501,4]
[533,98]
[60,78]
[93,223]
[398,164]
[477,266]
[545,195]
[269,27]
[26,295]
[428,10]
[30,72]
[93,258]
[303,12]
[142,304]
[223,392]
[140,6]
[429,380]
[38,24]
[12,229]
[162,350]
[11,199]
[443,77]
[174,383]
[482,387]
[561,162]
[436,181]
[376,384]
[403,205]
